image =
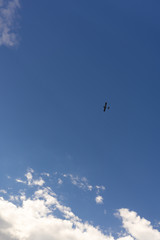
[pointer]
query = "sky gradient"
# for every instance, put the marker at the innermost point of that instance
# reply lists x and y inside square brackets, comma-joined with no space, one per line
[59,62]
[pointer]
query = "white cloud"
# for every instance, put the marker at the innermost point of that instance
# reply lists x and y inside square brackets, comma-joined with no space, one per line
[139,228]
[38,182]
[99,199]
[126,238]
[31,181]
[35,219]
[14,198]
[8,10]
[41,216]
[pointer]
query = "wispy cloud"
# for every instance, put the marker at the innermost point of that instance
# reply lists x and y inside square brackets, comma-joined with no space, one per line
[8,10]
[30,180]
[3,191]
[82,183]
[79,182]
[100,188]
[20,181]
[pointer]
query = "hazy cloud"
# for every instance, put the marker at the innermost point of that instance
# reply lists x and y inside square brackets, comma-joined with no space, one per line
[45,174]
[60,181]
[8,10]
[3,191]
[100,188]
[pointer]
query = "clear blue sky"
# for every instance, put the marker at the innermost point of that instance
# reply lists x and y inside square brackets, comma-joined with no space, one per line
[71,57]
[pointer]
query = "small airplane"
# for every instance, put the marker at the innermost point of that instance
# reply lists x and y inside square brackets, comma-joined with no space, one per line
[105,107]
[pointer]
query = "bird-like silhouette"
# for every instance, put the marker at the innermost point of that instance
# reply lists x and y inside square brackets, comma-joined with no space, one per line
[105,107]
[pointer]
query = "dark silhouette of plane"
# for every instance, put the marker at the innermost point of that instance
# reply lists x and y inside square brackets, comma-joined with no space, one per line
[105,107]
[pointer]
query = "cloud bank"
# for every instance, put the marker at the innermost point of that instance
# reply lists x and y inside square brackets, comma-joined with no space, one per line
[139,228]
[39,215]
[35,218]
[8,10]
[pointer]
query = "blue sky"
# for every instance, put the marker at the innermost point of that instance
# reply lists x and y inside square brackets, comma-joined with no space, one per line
[59,62]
